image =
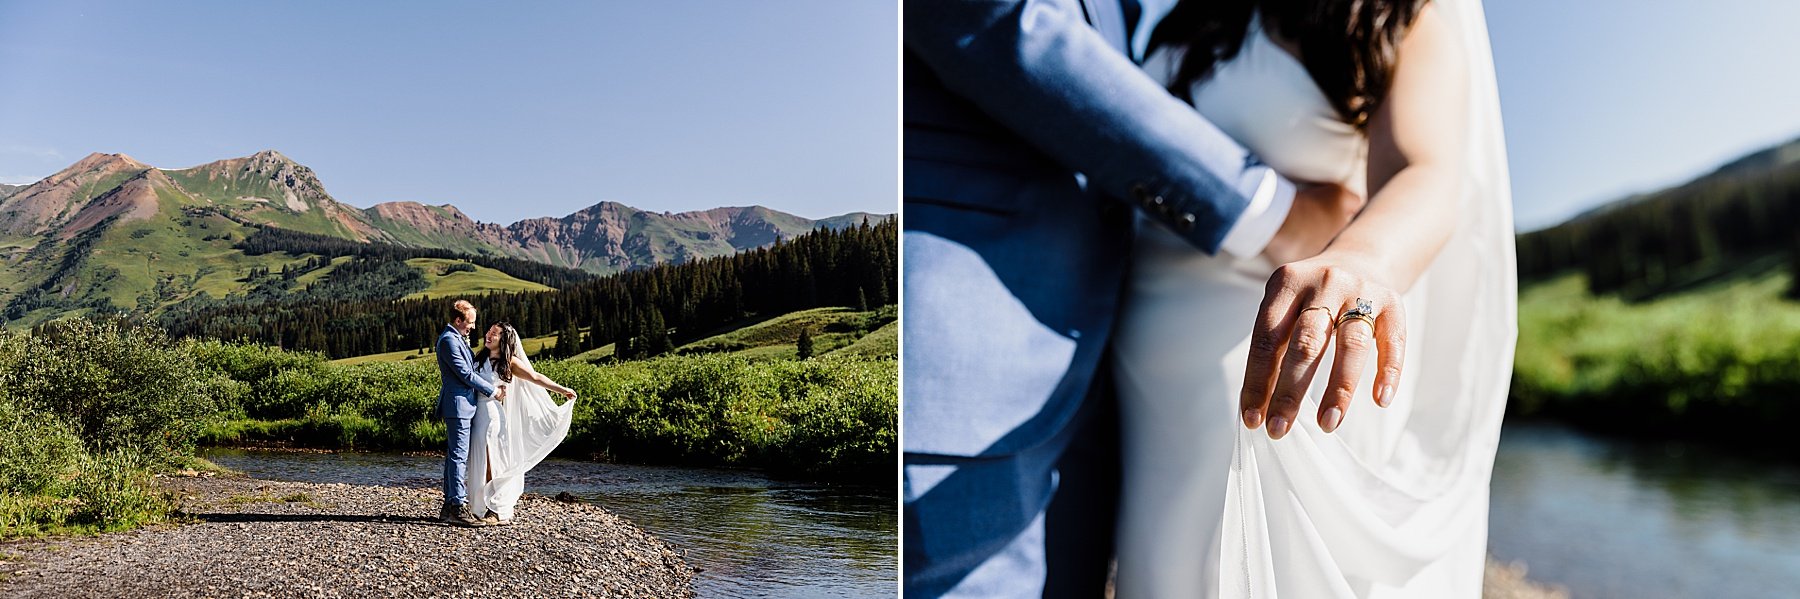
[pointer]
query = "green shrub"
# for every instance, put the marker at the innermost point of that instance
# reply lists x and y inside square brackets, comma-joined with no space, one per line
[835,415]
[251,363]
[118,384]
[49,483]
[36,450]
[115,492]
[842,415]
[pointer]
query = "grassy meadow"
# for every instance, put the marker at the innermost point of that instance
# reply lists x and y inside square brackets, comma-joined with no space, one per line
[833,329]
[448,282]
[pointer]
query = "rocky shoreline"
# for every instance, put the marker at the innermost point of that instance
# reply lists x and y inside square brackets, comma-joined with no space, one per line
[1509,581]
[245,537]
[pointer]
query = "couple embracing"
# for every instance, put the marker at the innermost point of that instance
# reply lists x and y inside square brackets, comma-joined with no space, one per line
[499,420]
[1151,250]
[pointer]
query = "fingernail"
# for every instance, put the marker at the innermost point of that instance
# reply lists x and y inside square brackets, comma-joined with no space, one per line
[1383,395]
[1252,418]
[1278,427]
[1333,416]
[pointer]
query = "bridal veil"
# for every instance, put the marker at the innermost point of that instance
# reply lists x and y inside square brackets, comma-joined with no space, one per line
[533,425]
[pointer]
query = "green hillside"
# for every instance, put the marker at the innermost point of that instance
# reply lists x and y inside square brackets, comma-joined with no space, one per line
[835,330]
[883,342]
[447,281]
[831,328]
[533,345]
[261,200]
[110,234]
[141,265]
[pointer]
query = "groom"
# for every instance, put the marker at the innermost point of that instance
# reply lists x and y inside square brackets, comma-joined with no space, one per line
[1031,136]
[456,405]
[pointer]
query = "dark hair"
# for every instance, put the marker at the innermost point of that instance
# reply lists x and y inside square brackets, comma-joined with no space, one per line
[1349,47]
[504,354]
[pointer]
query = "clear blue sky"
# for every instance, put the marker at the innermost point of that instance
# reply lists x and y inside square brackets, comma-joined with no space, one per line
[677,106]
[1603,98]
[507,110]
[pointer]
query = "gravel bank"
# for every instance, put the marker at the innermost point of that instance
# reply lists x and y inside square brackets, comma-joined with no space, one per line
[1508,581]
[242,537]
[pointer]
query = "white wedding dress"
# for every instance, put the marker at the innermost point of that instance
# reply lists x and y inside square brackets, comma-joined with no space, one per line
[1394,503]
[511,436]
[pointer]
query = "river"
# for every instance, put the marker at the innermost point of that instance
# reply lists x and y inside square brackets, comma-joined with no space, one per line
[751,535]
[1599,516]
[1604,517]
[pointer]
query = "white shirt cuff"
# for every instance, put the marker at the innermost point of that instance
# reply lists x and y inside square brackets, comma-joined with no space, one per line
[1269,205]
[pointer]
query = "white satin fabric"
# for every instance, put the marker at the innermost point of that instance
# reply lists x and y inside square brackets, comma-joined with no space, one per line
[1394,503]
[511,436]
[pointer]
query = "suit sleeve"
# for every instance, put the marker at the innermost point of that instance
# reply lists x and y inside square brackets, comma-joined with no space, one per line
[463,369]
[1040,70]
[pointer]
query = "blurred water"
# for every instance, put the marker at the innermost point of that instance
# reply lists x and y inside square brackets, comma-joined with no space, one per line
[1611,518]
[752,536]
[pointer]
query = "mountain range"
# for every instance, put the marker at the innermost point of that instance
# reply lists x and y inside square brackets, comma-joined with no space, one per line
[110,228]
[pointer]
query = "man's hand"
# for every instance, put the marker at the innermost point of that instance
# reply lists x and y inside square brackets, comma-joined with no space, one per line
[500,392]
[1318,213]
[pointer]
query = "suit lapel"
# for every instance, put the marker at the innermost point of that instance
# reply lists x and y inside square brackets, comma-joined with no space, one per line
[462,345]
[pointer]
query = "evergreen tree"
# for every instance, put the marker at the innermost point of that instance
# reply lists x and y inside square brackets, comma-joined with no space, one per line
[805,344]
[360,301]
[568,341]
[657,335]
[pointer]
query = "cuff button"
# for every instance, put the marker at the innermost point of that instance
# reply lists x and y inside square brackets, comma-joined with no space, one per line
[1140,192]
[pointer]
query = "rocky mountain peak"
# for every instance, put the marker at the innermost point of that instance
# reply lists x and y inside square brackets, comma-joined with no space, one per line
[422,217]
[94,166]
[604,209]
[50,202]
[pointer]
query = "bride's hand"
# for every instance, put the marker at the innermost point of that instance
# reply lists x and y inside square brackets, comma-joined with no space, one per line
[1293,331]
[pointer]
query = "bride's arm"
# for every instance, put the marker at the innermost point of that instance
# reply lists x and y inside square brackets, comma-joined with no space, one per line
[523,370]
[1416,144]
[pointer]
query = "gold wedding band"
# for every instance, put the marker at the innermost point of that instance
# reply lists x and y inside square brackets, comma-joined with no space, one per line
[1349,316]
[1363,312]
[1328,315]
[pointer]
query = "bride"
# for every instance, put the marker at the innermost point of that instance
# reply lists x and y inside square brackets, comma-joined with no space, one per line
[512,432]
[1319,493]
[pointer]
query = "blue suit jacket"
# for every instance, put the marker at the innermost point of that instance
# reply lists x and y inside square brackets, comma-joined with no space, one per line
[1029,137]
[456,365]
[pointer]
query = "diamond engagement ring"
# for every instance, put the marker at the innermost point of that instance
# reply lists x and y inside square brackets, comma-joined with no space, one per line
[1363,311]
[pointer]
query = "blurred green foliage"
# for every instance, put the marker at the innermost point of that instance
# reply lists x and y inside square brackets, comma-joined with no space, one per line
[1721,361]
